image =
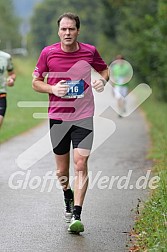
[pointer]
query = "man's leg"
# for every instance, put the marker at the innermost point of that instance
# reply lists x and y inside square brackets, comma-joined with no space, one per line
[1,120]
[62,172]
[60,138]
[62,164]
[3,104]
[81,177]
[80,188]
[122,101]
[121,105]
[82,139]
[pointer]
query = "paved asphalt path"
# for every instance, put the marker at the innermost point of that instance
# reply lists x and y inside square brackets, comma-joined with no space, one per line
[31,216]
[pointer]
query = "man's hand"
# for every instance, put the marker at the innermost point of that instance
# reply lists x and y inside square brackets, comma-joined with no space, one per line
[60,89]
[98,85]
[10,81]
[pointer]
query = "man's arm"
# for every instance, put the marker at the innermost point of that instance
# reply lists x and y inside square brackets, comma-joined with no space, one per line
[11,78]
[40,86]
[105,74]
[60,89]
[98,85]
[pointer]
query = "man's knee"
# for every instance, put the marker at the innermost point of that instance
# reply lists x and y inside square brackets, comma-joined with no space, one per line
[62,173]
[81,165]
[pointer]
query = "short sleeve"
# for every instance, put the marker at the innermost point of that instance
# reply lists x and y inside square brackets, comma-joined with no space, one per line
[98,62]
[10,65]
[41,68]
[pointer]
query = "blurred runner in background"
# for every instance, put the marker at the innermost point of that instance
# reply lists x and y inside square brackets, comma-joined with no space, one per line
[120,75]
[7,78]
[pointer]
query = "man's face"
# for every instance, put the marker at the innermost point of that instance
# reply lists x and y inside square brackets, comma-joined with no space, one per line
[68,31]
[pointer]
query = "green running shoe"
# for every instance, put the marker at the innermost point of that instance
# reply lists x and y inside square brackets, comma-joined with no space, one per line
[76,226]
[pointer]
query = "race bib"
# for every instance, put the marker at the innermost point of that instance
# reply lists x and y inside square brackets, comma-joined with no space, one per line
[76,89]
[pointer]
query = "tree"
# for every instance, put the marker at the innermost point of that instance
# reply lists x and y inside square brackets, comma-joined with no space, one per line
[142,36]
[44,20]
[136,29]
[161,49]
[139,34]
[9,26]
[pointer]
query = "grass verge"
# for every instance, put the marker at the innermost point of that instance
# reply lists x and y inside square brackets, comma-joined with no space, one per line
[18,120]
[151,227]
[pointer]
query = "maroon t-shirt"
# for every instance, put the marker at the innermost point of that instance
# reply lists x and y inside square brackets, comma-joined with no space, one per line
[56,65]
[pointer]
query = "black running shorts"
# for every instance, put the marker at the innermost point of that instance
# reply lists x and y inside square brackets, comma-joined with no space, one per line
[79,132]
[3,105]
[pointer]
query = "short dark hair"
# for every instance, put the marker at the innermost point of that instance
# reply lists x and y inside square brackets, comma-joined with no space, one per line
[71,16]
[120,56]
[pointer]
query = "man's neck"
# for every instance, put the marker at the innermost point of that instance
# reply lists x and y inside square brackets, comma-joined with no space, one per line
[70,48]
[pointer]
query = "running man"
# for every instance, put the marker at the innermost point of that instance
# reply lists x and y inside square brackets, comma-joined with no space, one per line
[7,78]
[67,65]
[120,75]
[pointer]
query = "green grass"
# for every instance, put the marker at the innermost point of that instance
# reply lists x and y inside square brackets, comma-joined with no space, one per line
[18,120]
[151,228]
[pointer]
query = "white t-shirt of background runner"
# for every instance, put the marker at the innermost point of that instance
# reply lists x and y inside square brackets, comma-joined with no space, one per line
[5,65]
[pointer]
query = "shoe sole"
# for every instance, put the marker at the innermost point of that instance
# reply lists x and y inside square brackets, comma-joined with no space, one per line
[76,227]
